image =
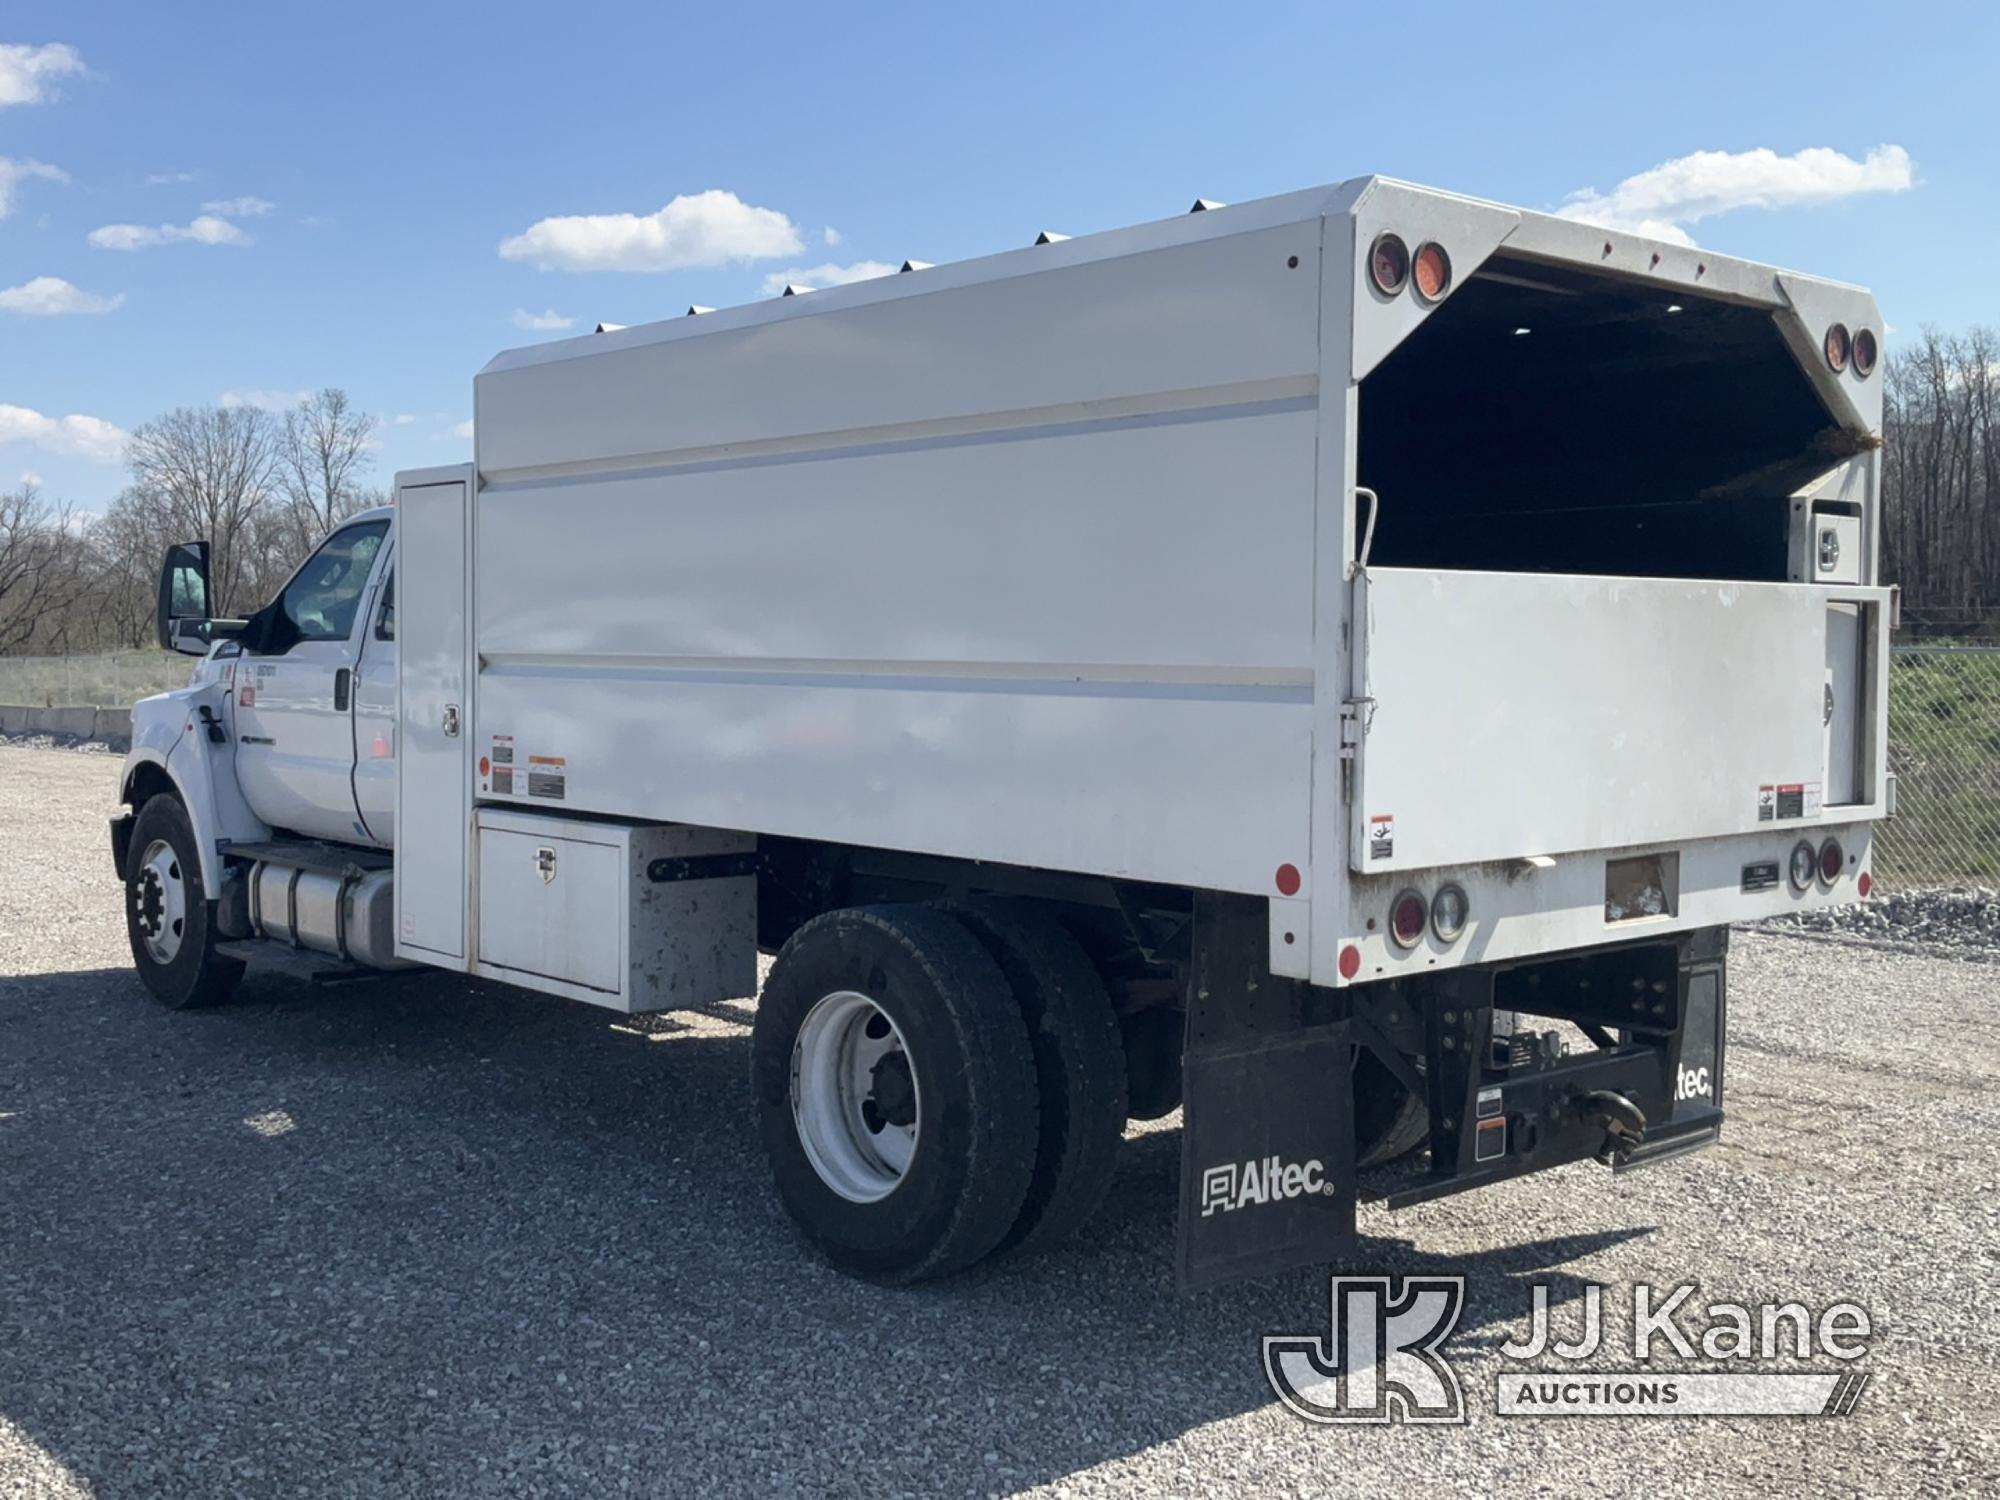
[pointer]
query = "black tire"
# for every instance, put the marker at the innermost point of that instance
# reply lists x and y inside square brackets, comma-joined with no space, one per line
[1079,1066]
[194,975]
[1389,1120]
[975,1096]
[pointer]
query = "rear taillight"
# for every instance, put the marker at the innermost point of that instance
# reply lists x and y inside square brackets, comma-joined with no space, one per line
[1836,347]
[1430,272]
[1388,263]
[1408,915]
[1805,864]
[1832,860]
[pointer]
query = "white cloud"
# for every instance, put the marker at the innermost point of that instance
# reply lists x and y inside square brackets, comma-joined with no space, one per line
[460,430]
[831,235]
[695,230]
[30,479]
[27,74]
[263,400]
[15,170]
[239,208]
[811,278]
[168,179]
[541,322]
[1688,189]
[204,230]
[75,435]
[51,296]
[402,419]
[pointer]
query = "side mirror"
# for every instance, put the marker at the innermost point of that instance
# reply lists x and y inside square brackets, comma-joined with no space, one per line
[182,599]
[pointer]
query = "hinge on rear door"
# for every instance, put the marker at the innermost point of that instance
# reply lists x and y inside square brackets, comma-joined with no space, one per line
[1354,716]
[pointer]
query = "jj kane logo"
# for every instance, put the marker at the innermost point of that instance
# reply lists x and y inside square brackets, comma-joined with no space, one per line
[1381,1359]
[1270,1179]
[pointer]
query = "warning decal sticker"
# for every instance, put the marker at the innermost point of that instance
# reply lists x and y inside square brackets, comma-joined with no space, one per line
[1381,836]
[1788,799]
[546,775]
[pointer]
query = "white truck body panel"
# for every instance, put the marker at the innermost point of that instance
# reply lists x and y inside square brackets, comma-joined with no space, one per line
[1517,714]
[434,765]
[1048,559]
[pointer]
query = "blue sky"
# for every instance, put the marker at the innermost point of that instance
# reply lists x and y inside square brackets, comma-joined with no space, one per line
[254,199]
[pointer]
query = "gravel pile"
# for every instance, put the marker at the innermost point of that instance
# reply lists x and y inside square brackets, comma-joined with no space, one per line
[1964,922]
[59,742]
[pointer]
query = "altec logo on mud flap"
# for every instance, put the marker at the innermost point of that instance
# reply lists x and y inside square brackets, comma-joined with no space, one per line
[1268,1180]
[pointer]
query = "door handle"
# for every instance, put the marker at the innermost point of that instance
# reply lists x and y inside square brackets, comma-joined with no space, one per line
[341,681]
[451,721]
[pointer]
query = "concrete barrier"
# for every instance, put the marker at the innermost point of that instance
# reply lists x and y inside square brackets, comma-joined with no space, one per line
[111,725]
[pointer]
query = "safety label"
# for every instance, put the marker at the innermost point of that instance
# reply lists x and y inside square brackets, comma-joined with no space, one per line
[546,776]
[1788,799]
[1381,836]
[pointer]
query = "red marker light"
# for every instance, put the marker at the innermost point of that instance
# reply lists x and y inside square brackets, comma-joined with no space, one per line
[1432,271]
[1350,961]
[1864,885]
[1388,264]
[485,766]
[1288,880]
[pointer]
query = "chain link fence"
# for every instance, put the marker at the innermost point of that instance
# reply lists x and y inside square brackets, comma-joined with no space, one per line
[1944,737]
[104,679]
[1944,747]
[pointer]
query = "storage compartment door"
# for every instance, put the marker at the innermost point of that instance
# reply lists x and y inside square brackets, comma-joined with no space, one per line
[1846,692]
[553,907]
[433,796]
[1513,714]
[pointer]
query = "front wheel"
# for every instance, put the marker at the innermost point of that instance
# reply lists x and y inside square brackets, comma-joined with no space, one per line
[168,915]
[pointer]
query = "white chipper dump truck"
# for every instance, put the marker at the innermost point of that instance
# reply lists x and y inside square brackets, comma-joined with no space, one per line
[1334,665]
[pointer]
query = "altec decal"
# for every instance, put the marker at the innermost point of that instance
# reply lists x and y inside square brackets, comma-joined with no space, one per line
[1692,1083]
[1270,1179]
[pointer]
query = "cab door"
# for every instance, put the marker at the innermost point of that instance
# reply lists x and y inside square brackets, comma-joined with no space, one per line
[294,707]
[375,711]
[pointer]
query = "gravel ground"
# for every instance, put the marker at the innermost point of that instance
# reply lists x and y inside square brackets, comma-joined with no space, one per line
[438,1239]
[1964,923]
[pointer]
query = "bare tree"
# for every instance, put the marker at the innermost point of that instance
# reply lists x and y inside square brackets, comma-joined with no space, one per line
[41,561]
[323,454]
[209,472]
[1941,478]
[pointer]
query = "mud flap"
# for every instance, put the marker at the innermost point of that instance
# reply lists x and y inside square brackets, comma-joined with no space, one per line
[1267,1135]
[1696,1120]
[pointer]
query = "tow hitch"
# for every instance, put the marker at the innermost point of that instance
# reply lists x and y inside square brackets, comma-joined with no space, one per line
[1622,1121]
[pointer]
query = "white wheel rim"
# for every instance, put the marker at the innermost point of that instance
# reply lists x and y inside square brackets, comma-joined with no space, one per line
[162,898]
[855,1097]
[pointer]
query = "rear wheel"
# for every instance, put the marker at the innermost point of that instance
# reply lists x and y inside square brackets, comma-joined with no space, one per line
[895,1091]
[168,917]
[1389,1120]
[1079,1066]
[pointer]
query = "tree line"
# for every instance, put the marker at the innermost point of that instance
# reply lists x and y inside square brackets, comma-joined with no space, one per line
[1941,481]
[262,488]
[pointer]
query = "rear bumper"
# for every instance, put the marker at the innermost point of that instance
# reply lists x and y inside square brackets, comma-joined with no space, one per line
[1520,911]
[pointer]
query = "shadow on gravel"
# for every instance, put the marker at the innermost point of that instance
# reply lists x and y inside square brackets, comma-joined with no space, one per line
[435,1238]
